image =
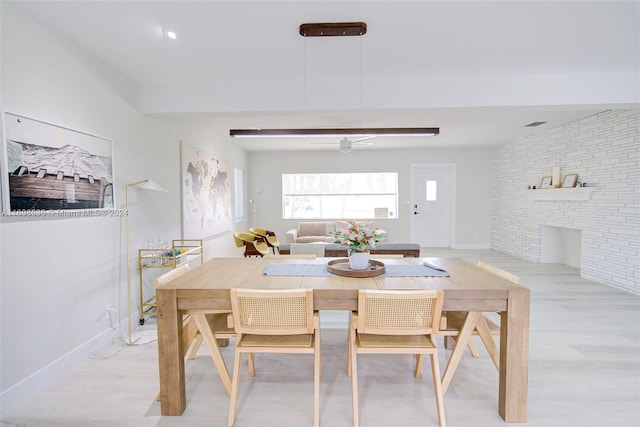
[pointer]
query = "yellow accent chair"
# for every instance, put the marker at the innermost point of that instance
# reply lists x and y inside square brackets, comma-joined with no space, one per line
[253,245]
[269,237]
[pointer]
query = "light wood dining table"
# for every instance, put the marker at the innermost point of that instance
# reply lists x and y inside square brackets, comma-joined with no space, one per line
[467,288]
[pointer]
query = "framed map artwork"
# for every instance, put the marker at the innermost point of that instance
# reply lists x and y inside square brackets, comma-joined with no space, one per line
[206,193]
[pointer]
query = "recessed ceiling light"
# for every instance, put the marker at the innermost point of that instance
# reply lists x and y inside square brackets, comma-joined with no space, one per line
[170,34]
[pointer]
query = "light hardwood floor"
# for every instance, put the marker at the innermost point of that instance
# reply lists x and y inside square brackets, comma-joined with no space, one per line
[584,371]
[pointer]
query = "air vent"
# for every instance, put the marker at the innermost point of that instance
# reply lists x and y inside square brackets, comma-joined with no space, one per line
[534,124]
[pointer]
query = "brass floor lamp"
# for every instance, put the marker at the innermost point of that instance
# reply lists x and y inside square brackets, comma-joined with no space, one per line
[145,184]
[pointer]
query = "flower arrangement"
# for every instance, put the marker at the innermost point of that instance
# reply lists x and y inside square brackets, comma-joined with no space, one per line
[357,237]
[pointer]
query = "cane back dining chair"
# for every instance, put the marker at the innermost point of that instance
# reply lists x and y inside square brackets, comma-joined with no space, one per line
[274,321]
[485,327]
[195,321]
[253,244]
[396,322]
[269,237]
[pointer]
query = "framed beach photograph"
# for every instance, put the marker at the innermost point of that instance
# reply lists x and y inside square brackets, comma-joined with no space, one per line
[49,168]
[546,182]
[570,180]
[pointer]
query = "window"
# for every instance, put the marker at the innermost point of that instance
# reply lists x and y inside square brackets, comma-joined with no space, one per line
[239,181]
[339,195]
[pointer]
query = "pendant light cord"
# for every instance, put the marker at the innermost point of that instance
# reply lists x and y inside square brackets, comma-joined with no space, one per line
[305,83]
[361,90]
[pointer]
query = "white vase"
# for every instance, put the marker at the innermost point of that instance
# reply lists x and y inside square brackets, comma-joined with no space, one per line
[359,260]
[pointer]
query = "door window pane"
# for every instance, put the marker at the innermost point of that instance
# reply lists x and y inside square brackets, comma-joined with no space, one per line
[432,191]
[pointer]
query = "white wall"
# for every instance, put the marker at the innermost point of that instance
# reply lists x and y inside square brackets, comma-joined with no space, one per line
[58,274]
[472,228]
[604,150]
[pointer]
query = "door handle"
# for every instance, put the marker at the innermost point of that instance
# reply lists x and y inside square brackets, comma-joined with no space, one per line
[415,210]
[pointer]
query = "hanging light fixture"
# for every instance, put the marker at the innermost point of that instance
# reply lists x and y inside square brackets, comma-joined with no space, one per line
[336,132]
[339,29]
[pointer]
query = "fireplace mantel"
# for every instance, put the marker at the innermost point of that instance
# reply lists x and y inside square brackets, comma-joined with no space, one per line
[575,193]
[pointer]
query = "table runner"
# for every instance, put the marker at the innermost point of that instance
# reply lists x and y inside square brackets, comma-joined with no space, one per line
[321,270]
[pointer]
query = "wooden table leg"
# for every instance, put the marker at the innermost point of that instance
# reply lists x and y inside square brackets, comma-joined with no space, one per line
[514,357]
[173,399]
[212,345]
[458,349]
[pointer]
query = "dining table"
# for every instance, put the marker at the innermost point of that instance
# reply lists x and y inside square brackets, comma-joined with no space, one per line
[467,288]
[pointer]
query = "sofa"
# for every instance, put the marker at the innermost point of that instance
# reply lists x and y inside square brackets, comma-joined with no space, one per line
[312,232]
[318,231]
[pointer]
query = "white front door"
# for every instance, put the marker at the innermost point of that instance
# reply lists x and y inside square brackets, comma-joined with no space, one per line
[431,205]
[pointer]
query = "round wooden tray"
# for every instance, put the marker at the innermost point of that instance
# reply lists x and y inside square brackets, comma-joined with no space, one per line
[341,267]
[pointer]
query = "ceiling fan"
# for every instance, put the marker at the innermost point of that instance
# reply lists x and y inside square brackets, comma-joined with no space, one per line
[345,144]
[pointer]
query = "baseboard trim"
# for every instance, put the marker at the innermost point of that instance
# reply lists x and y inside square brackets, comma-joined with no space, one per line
[472,246]
[19,393]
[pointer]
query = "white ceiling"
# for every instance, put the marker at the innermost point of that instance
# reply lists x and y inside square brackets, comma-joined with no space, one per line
[478,70]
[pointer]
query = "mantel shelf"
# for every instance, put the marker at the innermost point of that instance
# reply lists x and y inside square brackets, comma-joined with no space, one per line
[575,193]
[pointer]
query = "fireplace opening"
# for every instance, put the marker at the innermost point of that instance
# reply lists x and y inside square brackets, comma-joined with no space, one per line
[561,246]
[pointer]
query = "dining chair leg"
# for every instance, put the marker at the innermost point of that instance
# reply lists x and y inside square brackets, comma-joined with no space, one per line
[252,364]
[461,343]
[437,388]
[234,389]
[487,339]
[349,347]
[449,342]
[212,345]
[353,365]
[418,369]
[319,347]
[193,350]
[316,386]
[472,349]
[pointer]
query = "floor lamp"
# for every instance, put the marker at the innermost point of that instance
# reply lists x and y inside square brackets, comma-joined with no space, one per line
[145,184]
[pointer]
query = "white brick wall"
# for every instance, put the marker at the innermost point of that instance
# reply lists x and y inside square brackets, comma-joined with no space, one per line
[604,150]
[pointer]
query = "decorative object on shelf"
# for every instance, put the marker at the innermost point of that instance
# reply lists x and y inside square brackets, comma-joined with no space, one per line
[570,180]
[145,184]
[359,239]
[555,177]
[546,182]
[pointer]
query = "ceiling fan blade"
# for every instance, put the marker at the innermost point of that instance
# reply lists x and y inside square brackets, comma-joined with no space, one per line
[364,138]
